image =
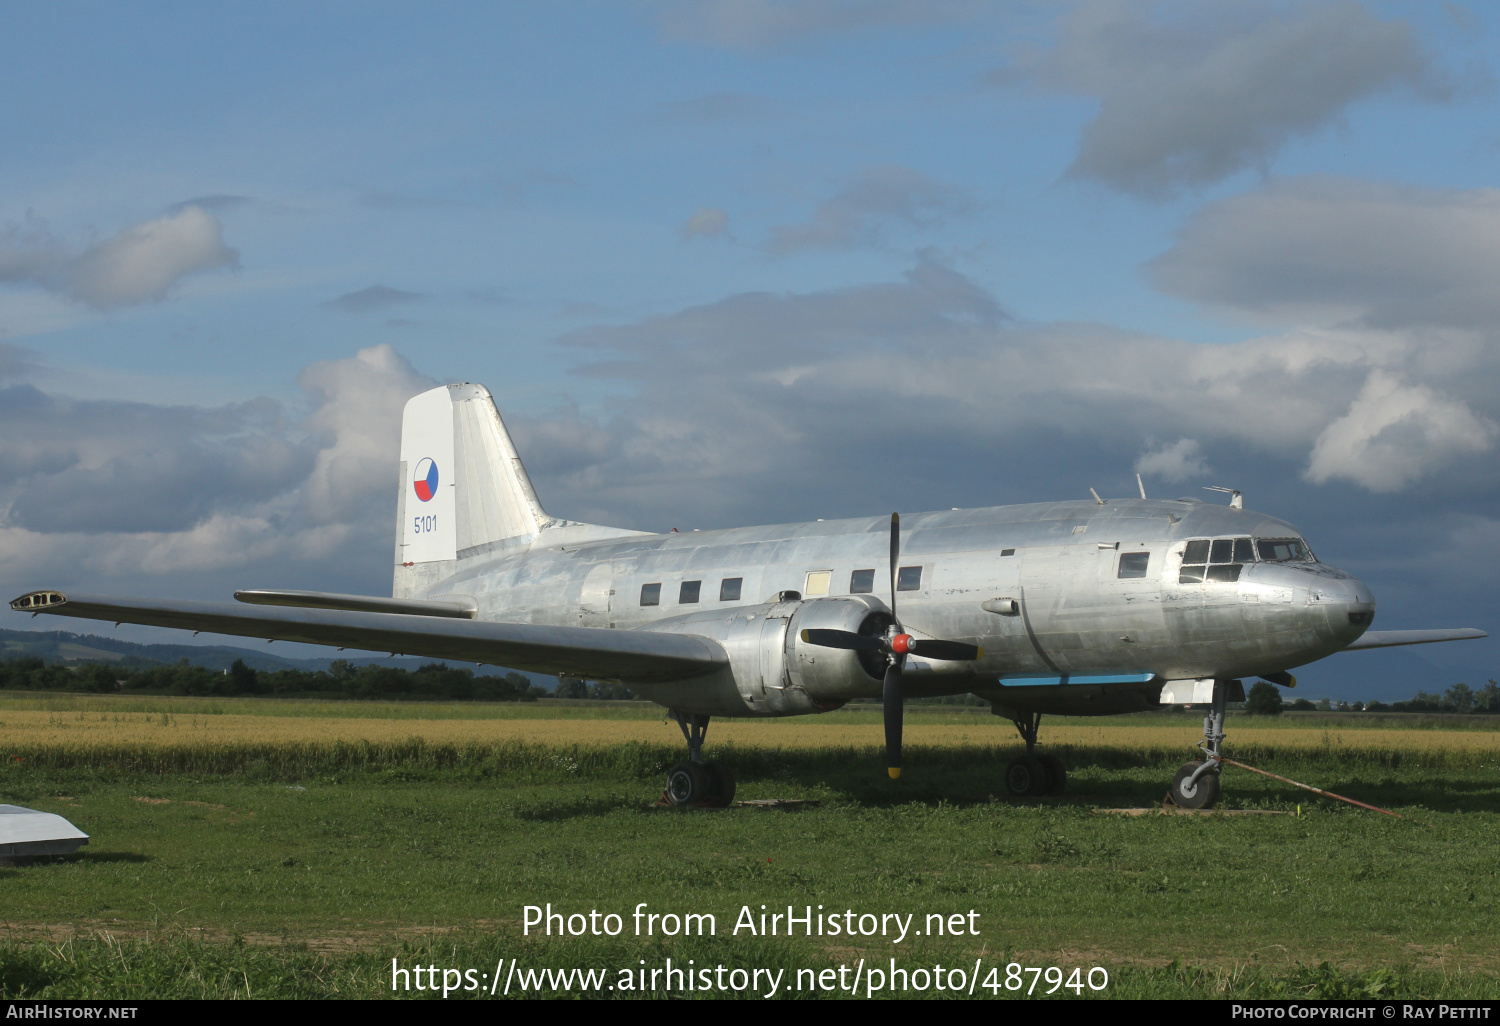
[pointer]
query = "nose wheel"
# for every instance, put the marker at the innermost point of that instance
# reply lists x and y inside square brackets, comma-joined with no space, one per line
[1034,774]
[1194,787]
[693,782]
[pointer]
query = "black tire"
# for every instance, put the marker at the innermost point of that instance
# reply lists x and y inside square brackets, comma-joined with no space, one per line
[689,783]
[723,791]
[1026,777]
[1204,792]
[1057,773]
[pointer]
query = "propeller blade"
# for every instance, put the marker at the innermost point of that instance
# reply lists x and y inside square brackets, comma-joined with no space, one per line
[895,558]
[894,711]
[843,639]
[954,650]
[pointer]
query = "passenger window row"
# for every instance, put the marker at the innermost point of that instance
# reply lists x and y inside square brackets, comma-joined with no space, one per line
[861,582]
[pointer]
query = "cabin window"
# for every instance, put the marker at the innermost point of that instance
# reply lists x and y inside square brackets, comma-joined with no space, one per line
[729,589]
[817,582]
[688,592]
[1007,552]
[909,578]
[651,594]
[1133,564]
[862,582]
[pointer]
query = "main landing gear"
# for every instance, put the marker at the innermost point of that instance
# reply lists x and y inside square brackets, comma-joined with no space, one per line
[1196,785]
[694,782]
[1033,775]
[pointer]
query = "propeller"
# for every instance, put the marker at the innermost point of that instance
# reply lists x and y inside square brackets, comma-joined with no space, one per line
[895,644]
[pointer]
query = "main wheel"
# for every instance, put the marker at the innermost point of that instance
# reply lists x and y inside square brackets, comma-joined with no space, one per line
[1057,774]
[690,783]
[1026,777]
[1200,794]
[723,789]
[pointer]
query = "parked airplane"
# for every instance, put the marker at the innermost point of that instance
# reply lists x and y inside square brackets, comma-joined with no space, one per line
[1070,608]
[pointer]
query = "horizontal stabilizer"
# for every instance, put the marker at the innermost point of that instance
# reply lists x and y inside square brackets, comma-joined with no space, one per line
[592,653]
[458,607]
[1389,639]
[26,833]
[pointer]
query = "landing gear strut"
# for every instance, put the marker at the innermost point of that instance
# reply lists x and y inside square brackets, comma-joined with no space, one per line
[1033,775]
[1196,785]
[693,781]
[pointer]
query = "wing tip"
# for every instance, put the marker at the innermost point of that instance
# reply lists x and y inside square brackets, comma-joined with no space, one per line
[38,601]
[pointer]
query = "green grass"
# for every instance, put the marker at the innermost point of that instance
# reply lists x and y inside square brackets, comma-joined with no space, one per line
[301,871]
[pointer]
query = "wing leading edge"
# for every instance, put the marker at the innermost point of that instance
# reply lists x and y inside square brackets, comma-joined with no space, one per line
[1390,639]
[594,653]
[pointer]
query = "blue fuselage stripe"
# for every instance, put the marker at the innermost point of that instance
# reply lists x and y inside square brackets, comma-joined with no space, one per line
[1077,678]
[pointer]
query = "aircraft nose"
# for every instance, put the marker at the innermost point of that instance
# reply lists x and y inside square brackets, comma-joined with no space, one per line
[1349,605]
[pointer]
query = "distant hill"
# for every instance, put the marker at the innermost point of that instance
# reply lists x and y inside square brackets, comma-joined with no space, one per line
[66,647]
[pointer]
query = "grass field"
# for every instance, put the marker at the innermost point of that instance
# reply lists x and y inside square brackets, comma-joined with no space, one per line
[294,848]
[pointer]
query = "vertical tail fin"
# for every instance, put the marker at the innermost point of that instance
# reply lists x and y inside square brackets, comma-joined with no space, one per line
[463,490]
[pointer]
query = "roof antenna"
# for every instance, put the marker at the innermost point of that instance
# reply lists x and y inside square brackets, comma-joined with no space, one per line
[1236,500]
[1096,497]
[1141,485]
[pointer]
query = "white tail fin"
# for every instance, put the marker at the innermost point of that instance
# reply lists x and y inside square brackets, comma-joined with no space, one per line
[463,489]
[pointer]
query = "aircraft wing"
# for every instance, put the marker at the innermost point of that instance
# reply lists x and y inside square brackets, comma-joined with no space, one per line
[1389,639]
[594,653]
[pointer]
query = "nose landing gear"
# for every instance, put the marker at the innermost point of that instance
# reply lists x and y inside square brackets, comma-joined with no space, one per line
[1196,785]
[1033,775]
[694,782]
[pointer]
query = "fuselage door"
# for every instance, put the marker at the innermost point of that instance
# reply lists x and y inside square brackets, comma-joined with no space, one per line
[1130,593]
[596,596]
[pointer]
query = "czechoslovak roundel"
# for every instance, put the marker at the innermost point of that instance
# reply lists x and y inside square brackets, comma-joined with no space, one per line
[425,481]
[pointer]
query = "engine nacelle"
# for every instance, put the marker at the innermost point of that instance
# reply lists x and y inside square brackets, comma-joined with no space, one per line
[835,674]
[771,671]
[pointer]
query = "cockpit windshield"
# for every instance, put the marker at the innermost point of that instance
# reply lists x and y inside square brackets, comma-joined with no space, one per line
[1222,559]
[1284,550]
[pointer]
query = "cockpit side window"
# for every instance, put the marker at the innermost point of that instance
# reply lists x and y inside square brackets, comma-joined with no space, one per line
[1215,560]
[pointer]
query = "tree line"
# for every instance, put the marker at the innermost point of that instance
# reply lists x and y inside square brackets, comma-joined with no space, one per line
[1265,700]
[341,680]
[441,681]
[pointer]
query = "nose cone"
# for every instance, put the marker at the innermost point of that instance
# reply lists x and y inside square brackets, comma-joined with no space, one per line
[1348,604]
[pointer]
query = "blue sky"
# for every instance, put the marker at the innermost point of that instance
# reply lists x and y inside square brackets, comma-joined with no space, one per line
[724,263]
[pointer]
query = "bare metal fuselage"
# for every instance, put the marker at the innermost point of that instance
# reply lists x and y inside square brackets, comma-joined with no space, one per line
[1083,639]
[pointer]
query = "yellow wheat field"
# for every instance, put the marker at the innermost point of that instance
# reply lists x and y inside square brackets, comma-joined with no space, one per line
[83,729]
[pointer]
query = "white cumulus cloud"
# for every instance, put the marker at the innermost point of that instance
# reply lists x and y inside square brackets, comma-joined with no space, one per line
[1178,462]
[94,490]
[1394,433]
[139,265]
